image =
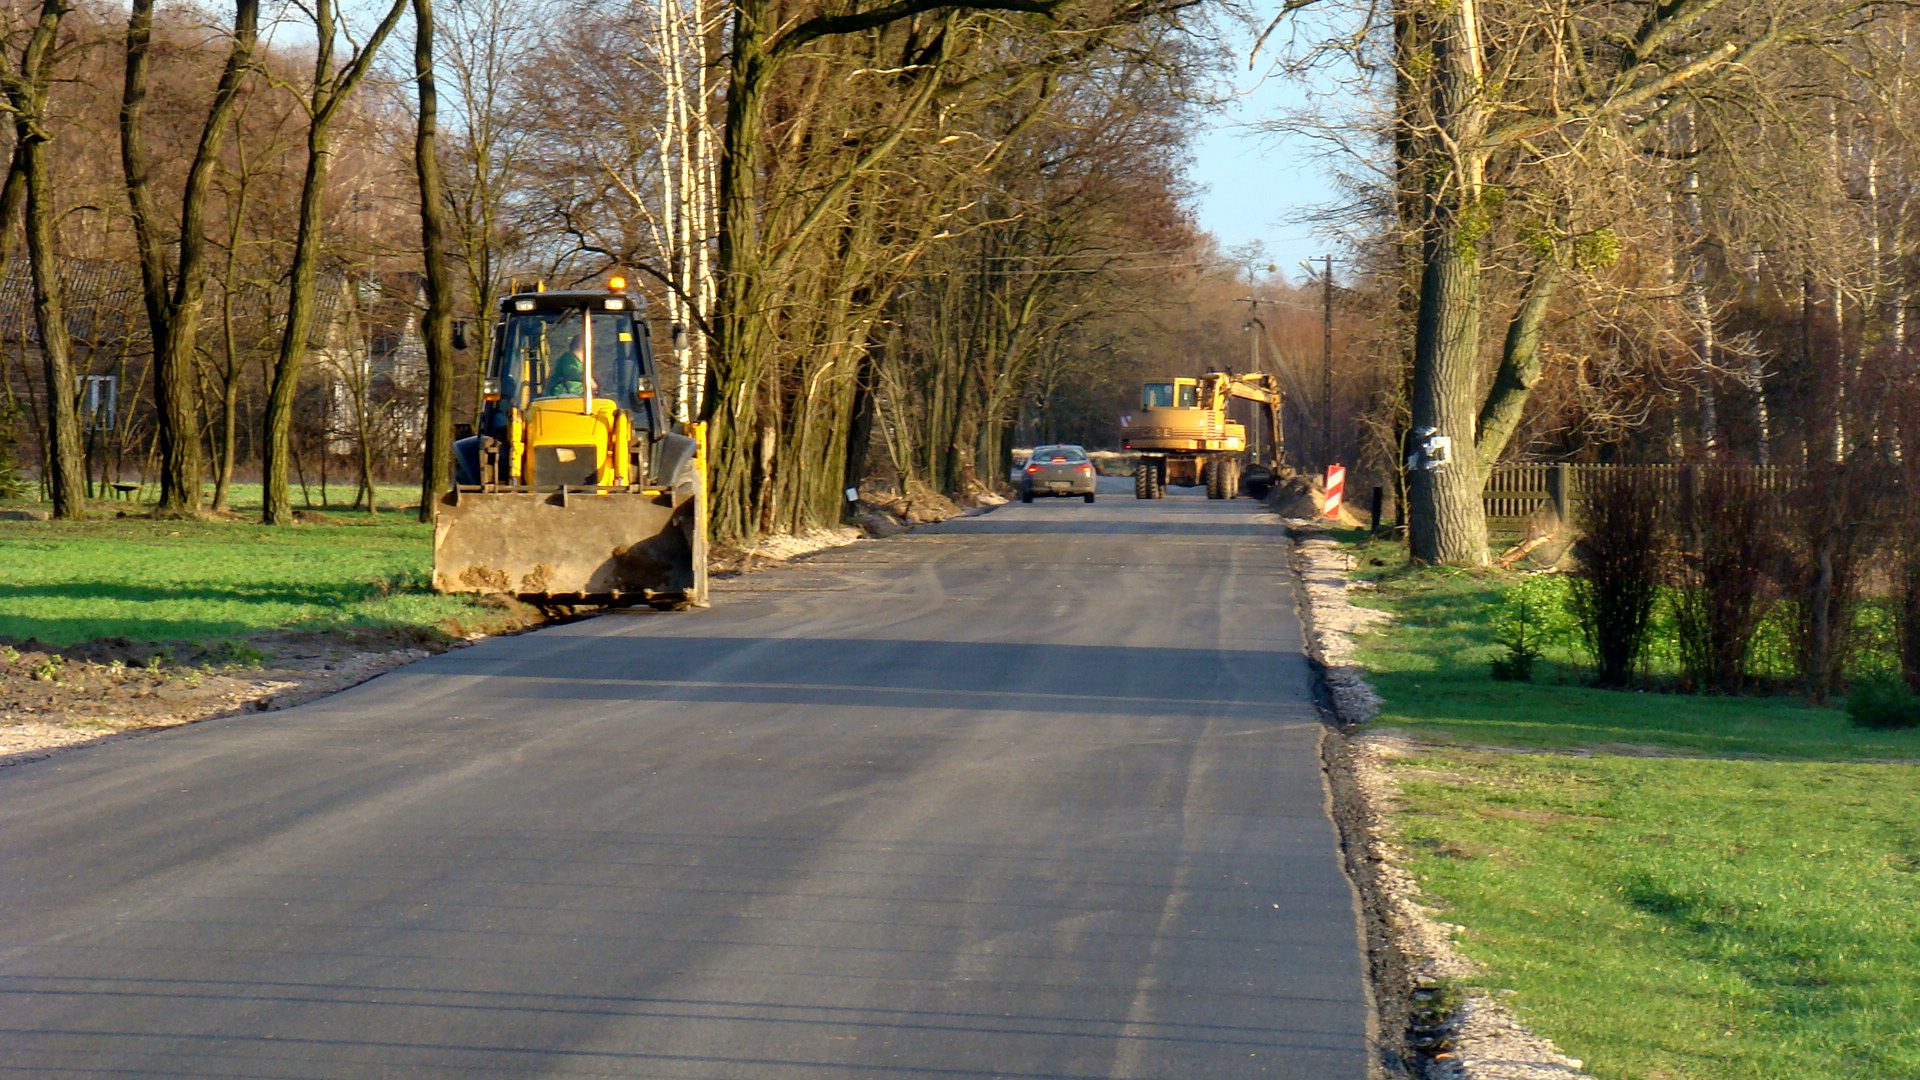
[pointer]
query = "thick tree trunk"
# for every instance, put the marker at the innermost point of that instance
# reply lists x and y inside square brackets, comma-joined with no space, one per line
[28,178]
[49,315]
[1446,521]
[174,300]
[734,374]
[436,327]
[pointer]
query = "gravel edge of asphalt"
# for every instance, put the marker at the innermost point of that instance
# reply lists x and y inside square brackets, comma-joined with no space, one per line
[1426,1031]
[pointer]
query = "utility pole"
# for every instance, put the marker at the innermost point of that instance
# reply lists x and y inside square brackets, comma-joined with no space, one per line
[1253,339]
[1326,364]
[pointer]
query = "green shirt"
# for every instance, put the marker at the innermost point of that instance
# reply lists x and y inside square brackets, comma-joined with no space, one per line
[565,380]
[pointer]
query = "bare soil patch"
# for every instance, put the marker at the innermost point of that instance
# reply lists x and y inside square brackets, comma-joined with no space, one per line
[52,699]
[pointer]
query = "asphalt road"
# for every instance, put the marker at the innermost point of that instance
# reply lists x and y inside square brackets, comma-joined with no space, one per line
[1031,794]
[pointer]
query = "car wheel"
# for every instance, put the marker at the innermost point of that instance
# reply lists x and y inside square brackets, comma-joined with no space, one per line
[1089,496]
[1026,494]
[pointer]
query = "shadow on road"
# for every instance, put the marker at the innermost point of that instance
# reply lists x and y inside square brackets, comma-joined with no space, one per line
[1245,684]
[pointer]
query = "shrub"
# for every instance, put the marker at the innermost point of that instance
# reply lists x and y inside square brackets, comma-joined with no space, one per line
[1883,702]
[1528,618]
[1619,576]
[12,485]
[1831,533]
[1726,579]
[1910,612]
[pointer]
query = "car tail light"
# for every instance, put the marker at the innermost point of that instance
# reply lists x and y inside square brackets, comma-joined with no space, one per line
[1083,468]
[1033,468]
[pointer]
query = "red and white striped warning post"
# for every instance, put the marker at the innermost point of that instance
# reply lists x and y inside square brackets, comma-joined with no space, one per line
[1336,489]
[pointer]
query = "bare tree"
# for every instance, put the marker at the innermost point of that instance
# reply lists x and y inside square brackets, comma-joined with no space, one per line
[174,294]
[331,87]
[27,85]
[437,324]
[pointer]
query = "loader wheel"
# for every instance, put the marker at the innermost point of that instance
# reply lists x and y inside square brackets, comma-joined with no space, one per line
[1143,480]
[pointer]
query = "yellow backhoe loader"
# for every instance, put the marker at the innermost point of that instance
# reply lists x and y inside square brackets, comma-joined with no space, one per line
[575,488]
[1185,435]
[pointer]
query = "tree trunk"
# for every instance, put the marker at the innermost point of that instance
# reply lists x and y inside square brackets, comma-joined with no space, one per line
[733,376]
[436,327]
[330,88]
[1446,521]
[173,300]
[276,503]
[1519,366]
[66,467]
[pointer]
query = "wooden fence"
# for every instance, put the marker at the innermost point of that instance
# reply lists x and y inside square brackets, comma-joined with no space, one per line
[1517,491]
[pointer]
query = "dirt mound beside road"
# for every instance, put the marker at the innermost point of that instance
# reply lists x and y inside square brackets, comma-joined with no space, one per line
[1300,496]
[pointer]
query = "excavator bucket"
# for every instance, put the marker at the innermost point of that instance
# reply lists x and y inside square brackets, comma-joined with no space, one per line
[572,547]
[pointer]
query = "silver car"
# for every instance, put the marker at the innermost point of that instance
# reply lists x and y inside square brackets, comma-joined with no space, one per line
[1057,470]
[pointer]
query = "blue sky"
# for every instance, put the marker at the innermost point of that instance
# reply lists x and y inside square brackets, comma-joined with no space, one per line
[1260,186]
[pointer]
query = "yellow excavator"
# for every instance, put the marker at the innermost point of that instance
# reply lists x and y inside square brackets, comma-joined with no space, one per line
[1185,435]
[575,487]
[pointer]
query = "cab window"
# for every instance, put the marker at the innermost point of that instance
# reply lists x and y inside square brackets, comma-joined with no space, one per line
[548,354]
[1156,395]
[1189,396]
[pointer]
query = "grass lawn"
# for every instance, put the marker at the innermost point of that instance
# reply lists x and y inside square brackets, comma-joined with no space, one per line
[214,581]
[1673,886]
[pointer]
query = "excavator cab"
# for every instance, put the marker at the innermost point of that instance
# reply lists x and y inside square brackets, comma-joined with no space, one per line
[575,487]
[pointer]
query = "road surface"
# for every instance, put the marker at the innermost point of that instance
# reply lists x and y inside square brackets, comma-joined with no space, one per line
[1031,794]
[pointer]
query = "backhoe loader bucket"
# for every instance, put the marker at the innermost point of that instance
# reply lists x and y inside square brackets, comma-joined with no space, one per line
[572,546]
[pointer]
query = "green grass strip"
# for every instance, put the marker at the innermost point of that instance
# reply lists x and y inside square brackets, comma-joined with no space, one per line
[1673,887]
[205,581]
[1675,918]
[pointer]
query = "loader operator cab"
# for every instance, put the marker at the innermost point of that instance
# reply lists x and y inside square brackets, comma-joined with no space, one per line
[571,371]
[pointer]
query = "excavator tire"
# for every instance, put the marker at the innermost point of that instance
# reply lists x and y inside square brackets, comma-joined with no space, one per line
[1143,480]
[1211,474]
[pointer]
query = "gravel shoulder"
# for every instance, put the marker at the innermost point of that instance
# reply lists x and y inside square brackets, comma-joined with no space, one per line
[1455,1033]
